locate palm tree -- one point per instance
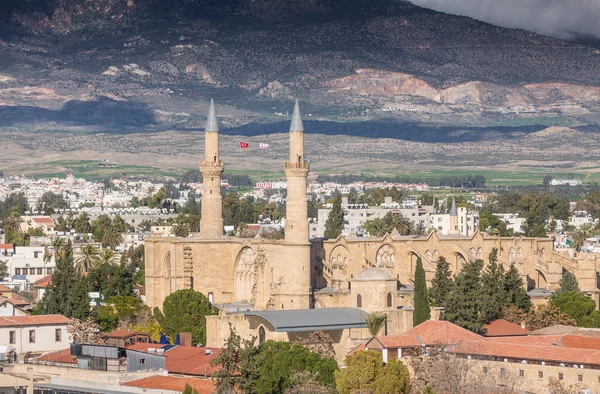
(58, 244)
(180, 230)
(581, 235)
(112, 238)
(107, 256)
(88, 259)
(375, 321)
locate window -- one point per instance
(12, 337)
(560, 376)
(521, 373)
(540, 374)
(31, 336)
(31, 271)
(17, 271)
(49, 271)
(58, 335)
(211, 297)
(389, 300)
(580, 378)
(502, 372)
(359, 301)
(39, 271)
(36, 255)
(261, 334)
(142, 361)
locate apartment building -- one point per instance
(467, 222)
(41, 333)
(29, 262)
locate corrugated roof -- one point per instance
(34, 320)
(158, 382)
(504, 328)
(184, 359)
(306, 320)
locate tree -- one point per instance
(574, 304)
(106, 256)
(547, 179)
(67, 293)
(463, 304)
(88, 258)
(568, 282)
(180, 230)
(50, 202)
(390, 222)
(365, 373)
(3, 269)
(232, 364)
(112, 238)
(514, 290)
(185, 311)
(441, 284)
(393, 379)
(537, 318)
(189, 390)
(335, 221)
(422, 311)
(493, 295)
(375, 321)
(82, 224)
(111, 279)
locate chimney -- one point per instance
(523, 325)
(185, 339)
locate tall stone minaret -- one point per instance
(293, 267)
(211, 222)
(296, 171)
(453, 219)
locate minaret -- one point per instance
(453, 219)
(293, 266)
(211, 222)
(296, 171)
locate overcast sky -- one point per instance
(558, 18)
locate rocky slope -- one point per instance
(152, 64)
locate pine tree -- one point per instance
(493, 295)
(441, 284)
(568, 282)
(463, 303)
(335, 221)
(67, 292)
(514, 291)
(422, 311)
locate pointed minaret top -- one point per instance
(453, 210)
(296, 119)
(211, 121)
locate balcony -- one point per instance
(299, 165)
(211, 164)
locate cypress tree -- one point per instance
(335, 221)
(67, 292)
(514, 290)
(422, 311)
(463, 303)
(441, 284)
(568, 282)
(493, 295)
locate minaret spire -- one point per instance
(297, 119)
(211, 222)
(454, 230)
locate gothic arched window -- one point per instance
(359, 301)
(389, 300)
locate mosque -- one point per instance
(297, 273)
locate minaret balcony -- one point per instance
(299, 165)
(211, 164)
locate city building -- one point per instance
(467, 222)
(31, 262)
(37, 334)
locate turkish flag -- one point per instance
(243, 145)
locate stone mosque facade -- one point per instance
(371, 273)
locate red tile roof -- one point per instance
(120, 334)
(43, 283)
(63, 356)
(434, 332)
(399, 341)
(172, 383)
(4, 289)
(15, 302)
(580, 342)
(539, 340)
(45, 220)
(503, 328)
(7, 246)
(184, 359)
(34, 320)
(555, 354)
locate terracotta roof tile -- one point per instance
(172, 383)
(34, 320)
(540, 340)
(4, 289)
(503, 328)
(43, 283)
(15, 302)
(398, 341)
(555, 354)
(45, 220)
(62, 356)
(7, 246)
(580, 342)
(184, 359)
(434, 332)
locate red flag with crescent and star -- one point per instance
(244, 145)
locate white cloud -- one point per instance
(560, 18)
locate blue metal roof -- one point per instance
(307, 320)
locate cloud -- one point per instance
(559, 18)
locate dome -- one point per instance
(373, 273)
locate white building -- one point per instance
(29, 262)
(513, 221)
(41, 333)
(467, 222)
(565, 182)
(355, 215)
